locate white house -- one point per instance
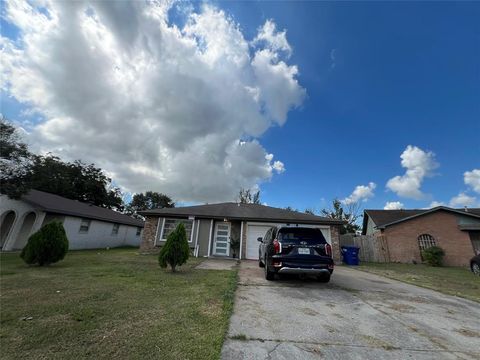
(87, 226)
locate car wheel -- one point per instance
(323, 278)
(476, 268)
(269, 275)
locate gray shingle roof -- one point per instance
(235, 211)
(60, 205)
(382, 218)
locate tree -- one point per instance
(309, 211)
(246, 196)
(47, 246)
(15, 161)
(176, 251)
(345, 212)
(147, 201)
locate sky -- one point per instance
(376, 103)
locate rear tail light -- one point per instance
(328, 249)
(277, 247)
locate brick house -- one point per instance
(407, 232)
(210, 228)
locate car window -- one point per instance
(274, 233)
(267, 236)
(304, 234)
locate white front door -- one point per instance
(221, 244)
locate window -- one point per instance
(171, 224)
(139, 231)
(425, 241)
(84, 226)
(115, 229)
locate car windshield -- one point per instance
(305, 234)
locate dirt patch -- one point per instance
(401, 307)
(373, 341)
(308, 311)
(468, 332)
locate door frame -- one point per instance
(229, 224)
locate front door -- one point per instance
(221, 241)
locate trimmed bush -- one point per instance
(433, 256)
(176, 251)
(47, 246)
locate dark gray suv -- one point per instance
(295, 250)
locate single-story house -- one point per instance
(211, 227)
(87, 226)
(407, 232)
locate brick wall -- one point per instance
(148, 235)
(335, 238)
(403, 244)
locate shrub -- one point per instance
(433, 256)
(176, 251)
(47, 246)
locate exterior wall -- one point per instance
(149, 231)
(443, 226)
(99, 234)
(203, 236)
(335, 243)
(370, 227)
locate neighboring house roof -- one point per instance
(384, 218)
(60, 205)
(236, 211)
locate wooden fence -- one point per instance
(372, 248)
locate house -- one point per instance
(211, 227)
(407, 232)
(87, 226)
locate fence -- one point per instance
(372, 248)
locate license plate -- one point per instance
(303, 251)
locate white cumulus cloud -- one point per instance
(418, 164)
(360, 193)
(160, 107)
(472, 178)
(393, 205)
(436, 203)
(462, 200)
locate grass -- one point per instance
(112, 304)
(457, 281)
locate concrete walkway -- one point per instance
(217, 264)
(356, 316)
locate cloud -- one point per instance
(274, 39)
(419, 164)
(436, 203)
(393, 205)
(360, 193)
(462, 200)
(472, 178)
(160, 107)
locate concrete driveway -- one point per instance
(355, 316)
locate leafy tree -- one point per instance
(47, 246)
(15, 161)
(348, 213)
(246, 196)
(176, 251)
(433, 256)
(147, 201)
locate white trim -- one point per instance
(210, 237)
(156, 232)
(241, 240)
(193, 229)
(228, 237)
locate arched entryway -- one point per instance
(7, 223)
(25, 230)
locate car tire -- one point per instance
(323, 278)
(475, 268)
(269, 275)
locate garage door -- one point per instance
(253, 233)
(256, 231)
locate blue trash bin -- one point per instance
(350, 255)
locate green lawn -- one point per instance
(456, 281)
(112, 304)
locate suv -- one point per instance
(295, 250)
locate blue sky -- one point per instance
(378, 77)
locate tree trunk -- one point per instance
(173, 268)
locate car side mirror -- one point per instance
(259, 239)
